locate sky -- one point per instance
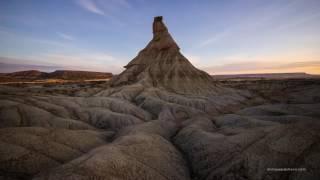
(220, 37)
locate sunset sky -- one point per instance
(218, 36)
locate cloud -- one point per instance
(4, 31)
(312, 67)
(8, 65)
(83, 56)
(86, 61)
(91, 6)
(299, 21)
(64, 54)
(194, 59)
(9, 34)
(48, 42)
(214, 38)
(66, 36)
(269, 18)
(104, 7)
(123, 3)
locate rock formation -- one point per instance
(162, 119)
(161, 64)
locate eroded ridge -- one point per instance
(160, 119)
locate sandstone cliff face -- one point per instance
(161, 119)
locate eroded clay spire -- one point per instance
(161, 36)
(158, 27)
(160, 64)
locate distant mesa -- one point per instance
(68, 74)
(160, 64)
(33, 75)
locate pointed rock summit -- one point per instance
(160, 64)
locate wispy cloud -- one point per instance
(104, 7)
(292, 60)
(77, 61)
(299, 21)
(312, 67)
(85, 61)
(8, 65)
(4, 31)
(90, 5)
(272, 17)
(194, 60)
(84, 56)
(10, 34)
(63, 54)
(66, 36)
(214, 38)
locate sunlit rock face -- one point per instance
(161, 118)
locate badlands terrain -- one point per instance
(162, 118)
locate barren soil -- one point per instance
(161, 119)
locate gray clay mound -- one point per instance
(161, 118)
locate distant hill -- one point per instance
(30, 75)
(77, 75)
(33, 75)
(267, 76)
